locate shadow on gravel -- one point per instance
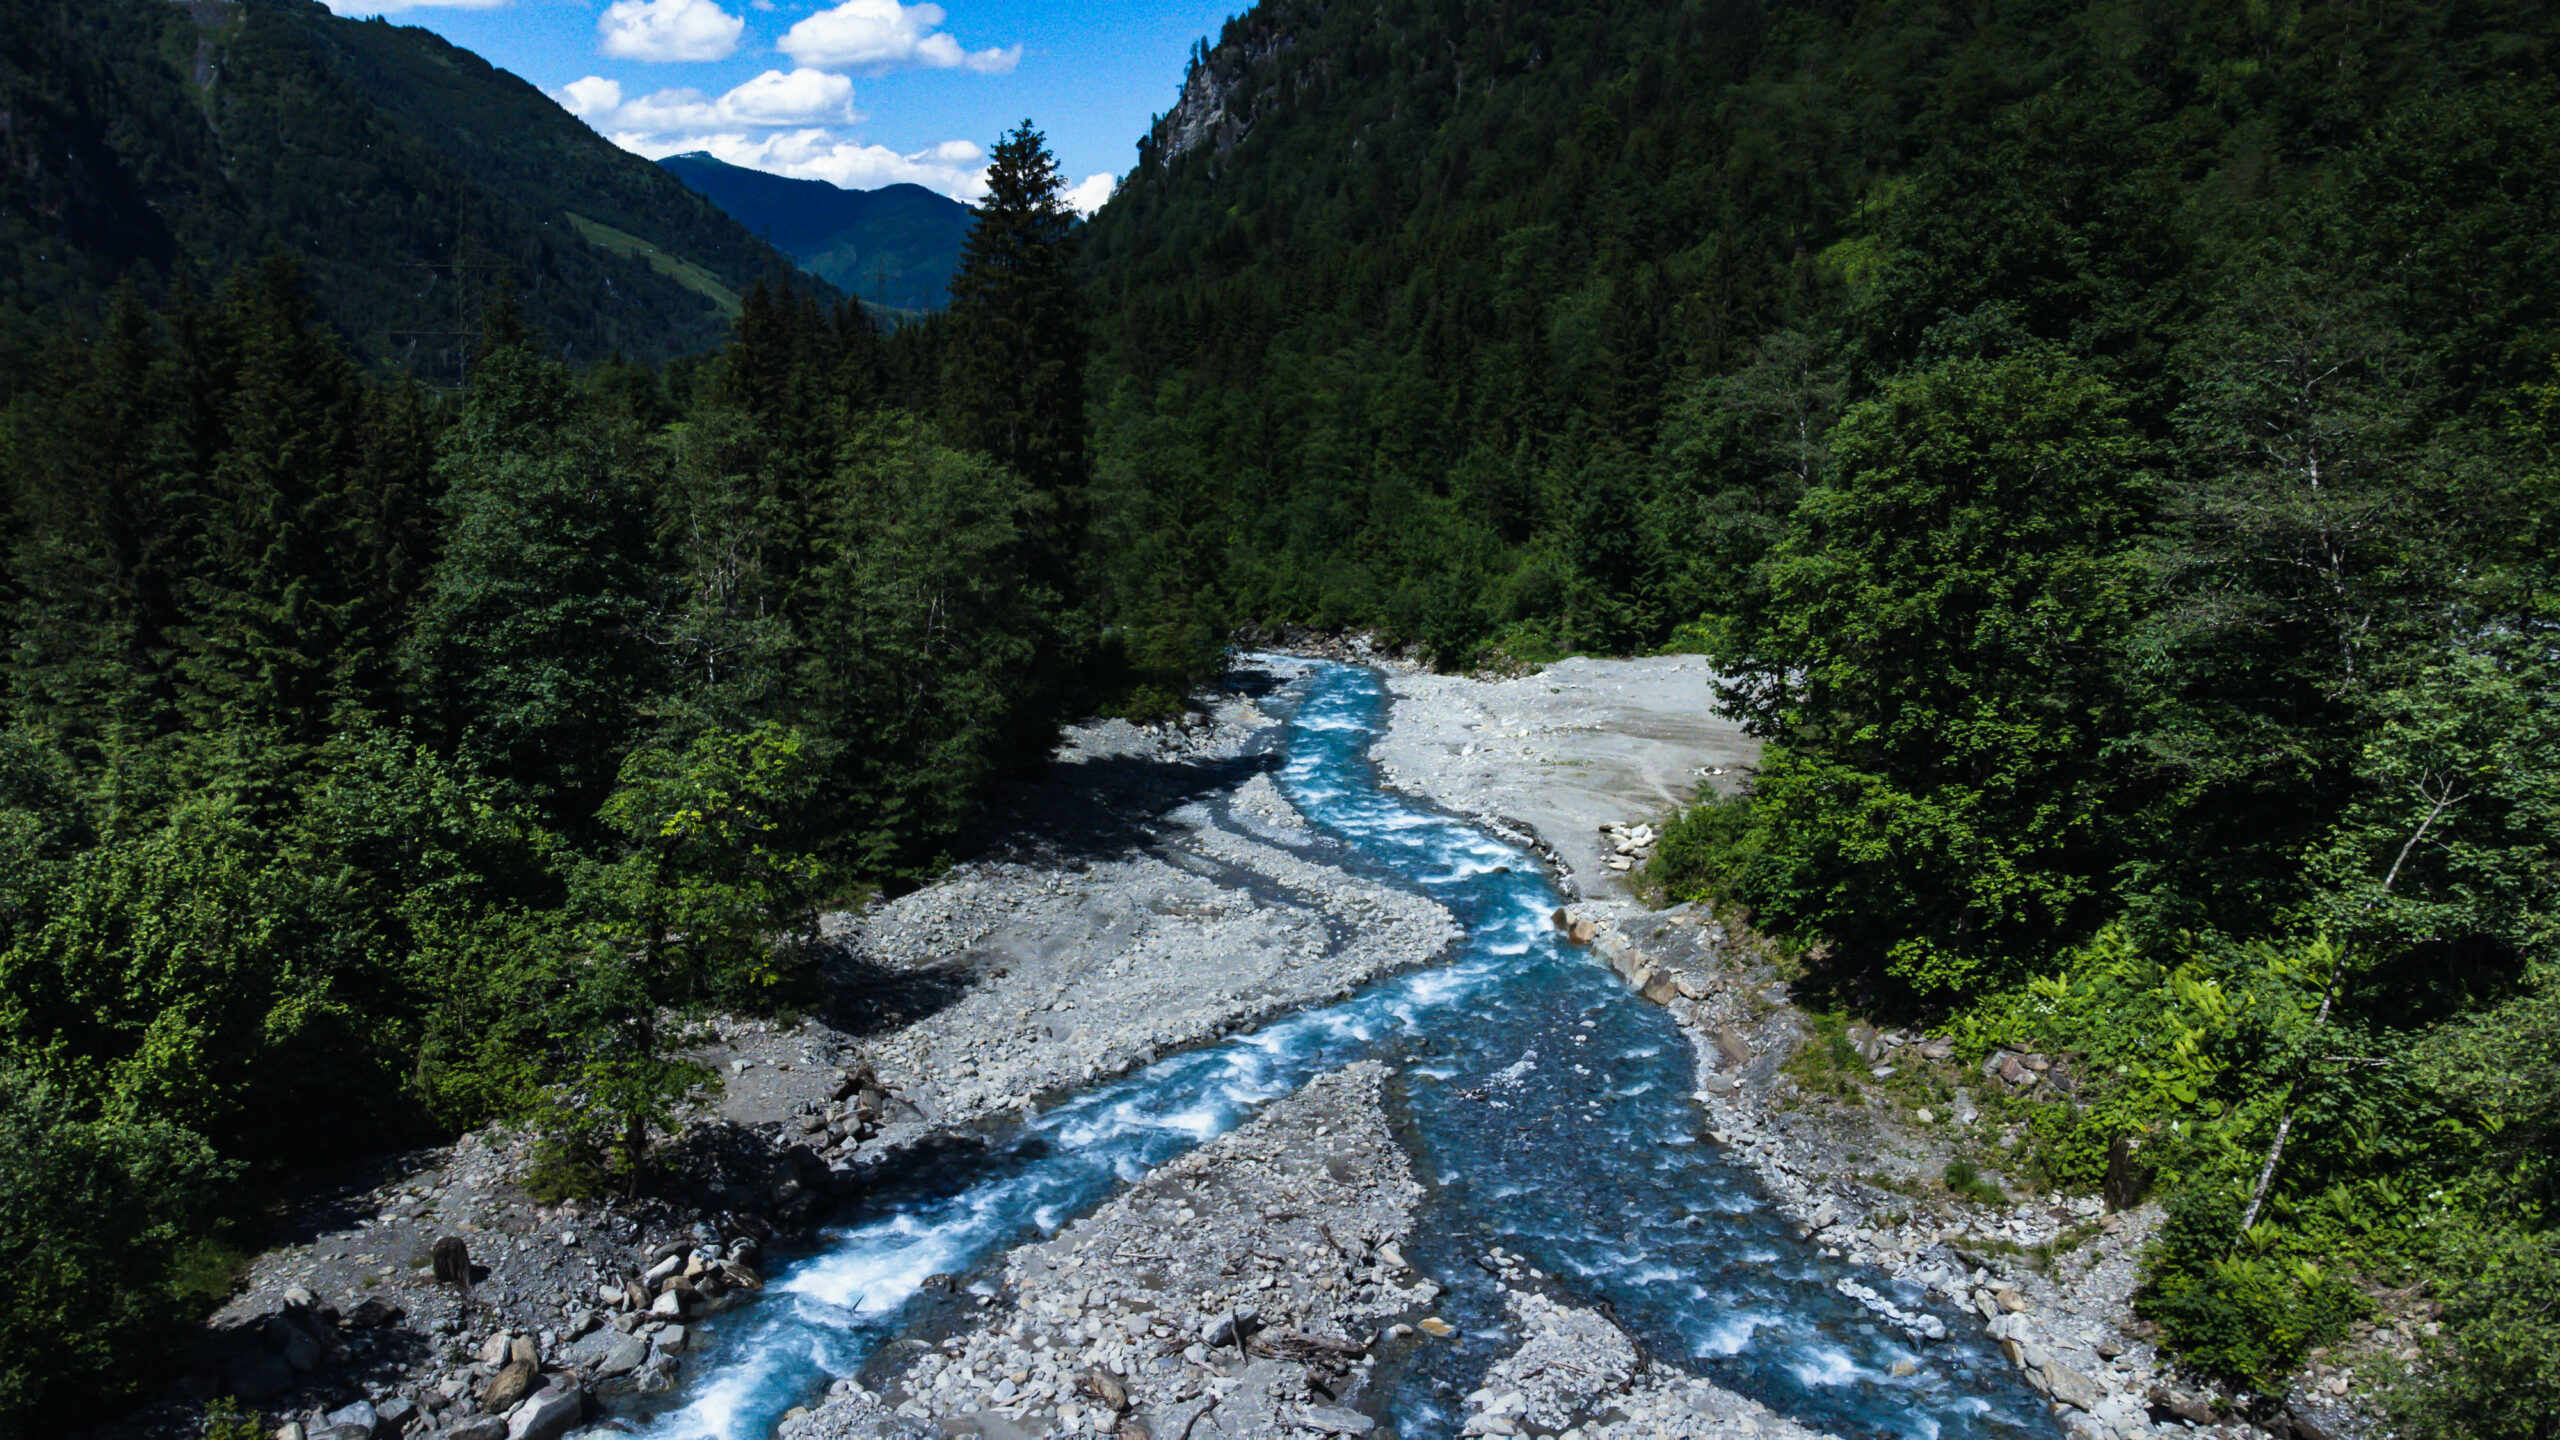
(866, 998)
(1107, 808)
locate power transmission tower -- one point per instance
(464, 262)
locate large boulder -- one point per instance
(373, 1313)
(509, 1389)
(629, 1353)
(547, 1414)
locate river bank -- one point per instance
(1149, 895)
(1583, 754)
(1157, 891)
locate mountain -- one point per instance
(153, 142)
(895, 247)
(1427, 291)
(2108, 450)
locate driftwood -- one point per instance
(1299, 1345)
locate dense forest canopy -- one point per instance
(2107, 450)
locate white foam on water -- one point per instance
(1829, 1365)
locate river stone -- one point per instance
(1732, 1048)
(547, 1415)
(478, 1427)
(628, 1353)
(359, 1416)
(2070, 1386)
(1334, 1421)
(512, 1385)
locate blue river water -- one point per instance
(1548, 1110)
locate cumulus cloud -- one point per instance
(954, 167)
(668, 30)
(879, 35)
(394, 7)
(778, 122)
(772, 100)
(1087, 195)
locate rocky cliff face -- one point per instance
(1227, 90)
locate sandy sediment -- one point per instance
(1565, 750)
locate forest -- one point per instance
(2108, 450)
(381, 763)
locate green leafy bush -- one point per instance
(1968, 1182)
(2494, 1371)
(2250, 1310)
(95, 1211)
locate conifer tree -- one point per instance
(276, 609)
(1015, 376)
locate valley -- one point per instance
(934, 1268)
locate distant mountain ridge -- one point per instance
(895, 247)
(154, 142)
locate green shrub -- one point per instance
(2251, 1310)
(95, 1212)
(225, 1420)
(2494, 1372)
(1969, 1183)
(1699, 847)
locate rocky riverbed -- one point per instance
(1156, 892)
(1245, 1292)
(1153, 893)
(1588, 756)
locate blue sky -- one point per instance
(860, 92)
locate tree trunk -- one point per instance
(2320, 1021)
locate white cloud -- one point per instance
(778, 122)
(1088, 194)
(668, 30)
(880, 35)
(592, 96)
(955, 167)
(770, 101)
(394, 7)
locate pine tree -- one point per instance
(1015, 376)
(276, 611)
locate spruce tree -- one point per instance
(1014, 379)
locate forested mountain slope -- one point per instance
(154, 142)
(2109, 452)
(895, 247)
(1436, 300)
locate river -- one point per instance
(1547, 1108)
